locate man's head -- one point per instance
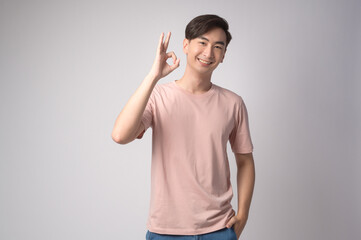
(206, 43)
(203, 24)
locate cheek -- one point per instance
(195, 50)
(221, 55)
(192, 53)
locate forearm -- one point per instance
(127, 124)
(245, 185)
(128, 120)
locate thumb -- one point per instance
(231, 222)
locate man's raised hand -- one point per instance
(160, 66)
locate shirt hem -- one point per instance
(186, 231)
(242, 151)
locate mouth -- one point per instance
(204, 61)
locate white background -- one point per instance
(68, 67)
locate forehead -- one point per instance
(215, 35)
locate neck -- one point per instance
(194, 82)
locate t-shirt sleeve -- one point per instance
(240, 137)
(147, 118)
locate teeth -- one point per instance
(205, 62)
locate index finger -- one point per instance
(166, 42)
(160, 43)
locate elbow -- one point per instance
(120, 140)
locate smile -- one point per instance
(204, 62)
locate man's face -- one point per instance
(207, 51)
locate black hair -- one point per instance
(204, 23)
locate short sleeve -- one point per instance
(147, 118)
(240, 137)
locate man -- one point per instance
(192, 121)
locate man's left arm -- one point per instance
(245, 185)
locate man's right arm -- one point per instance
(128, 124)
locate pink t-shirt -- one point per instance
(191, 190)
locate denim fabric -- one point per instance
(222, 234)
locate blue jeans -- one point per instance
(222, 234)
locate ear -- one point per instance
(224, 54)
(185, 45)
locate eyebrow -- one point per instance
(206, 39)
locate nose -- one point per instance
(208, 52)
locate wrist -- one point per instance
(150, 77)
(242, 216)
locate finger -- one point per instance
(166, 42)
(175, 60)
(230, 222)
(175, 65)
(160, 43)
(172, 55)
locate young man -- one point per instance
(192, 121)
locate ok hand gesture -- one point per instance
(160, 66)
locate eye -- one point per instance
(202, 43)
(219, 47)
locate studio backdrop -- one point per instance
(67, 68)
